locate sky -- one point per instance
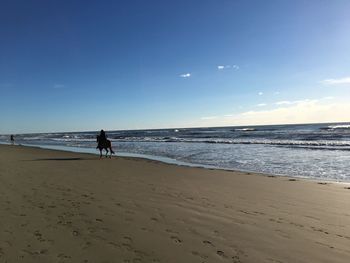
(90, 65)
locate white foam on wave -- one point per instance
(72, 140)
(302, 143)
(347, 126)
(283, 142)
(245, 129)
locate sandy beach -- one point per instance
(67, 207)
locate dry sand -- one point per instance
(68, 207)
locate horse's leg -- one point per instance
(100, 153)
(106, 152)
(110, 147)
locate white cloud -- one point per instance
(260, 93)
(209, 118)
(340, 81)
(328, 98)
(276, 93)
(261, 105)
(287, 102)
(222, 67)
(186, 75)
(304, 100)
(283, 102)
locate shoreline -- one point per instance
(61, 206)
(172, 161)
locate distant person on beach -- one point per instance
(12, 139)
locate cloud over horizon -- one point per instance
(284, 102)
(339, 81)
(209, 117)
(302, 111)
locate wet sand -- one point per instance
(67, 207)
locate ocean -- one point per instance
(317, 151)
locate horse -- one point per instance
(104, 144)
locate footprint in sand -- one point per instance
(39, 236)
(296, 224)
(344, 236)
(176, 239)
(319, 230)
(207, 242)
(236, 259)
(63, 256)
(42, 251)
(128, 238)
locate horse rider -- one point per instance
(102, 138)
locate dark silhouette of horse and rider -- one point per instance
(104, 143)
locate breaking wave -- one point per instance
(334, 127)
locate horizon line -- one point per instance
(174, 128)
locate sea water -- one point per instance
(311, 151)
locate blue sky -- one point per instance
(86, 65)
